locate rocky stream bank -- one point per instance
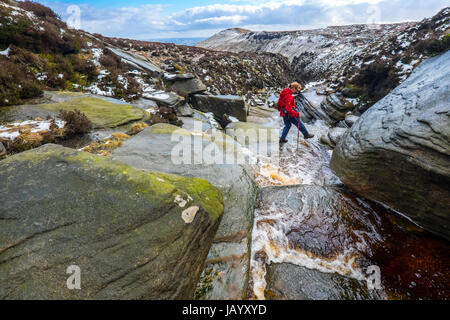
(147, 205)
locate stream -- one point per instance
(313, 238)
(306, 218)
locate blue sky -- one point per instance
(144, 19)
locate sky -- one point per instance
(144, 19)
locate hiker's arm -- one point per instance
(289, 108)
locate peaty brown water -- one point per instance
(307, 218)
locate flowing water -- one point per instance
(307, 218)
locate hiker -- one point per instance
(287, 107)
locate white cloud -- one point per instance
(152, 21)
(235, 19)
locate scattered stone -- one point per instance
(309, 110)
(165, 99)
(335, 134)
(145, 104)
(351, 119)
(177, 76)
(138, 61)
(184, 110)
(326, 140)
(188, 87)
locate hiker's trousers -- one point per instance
(288, 122)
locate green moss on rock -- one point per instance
(209, 198)
(165, 128)
(102, 113)
(123, 227)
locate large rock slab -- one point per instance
(187, 87)
(169, 77)
(155, 148)
(398, 152)
(165, 99)
(309, 105)
(138, 61)
(102, 113)
(220, 105)
(126, 229)
(334, 113)
(287, 281)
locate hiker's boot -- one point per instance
(283, 140)
(309, 136)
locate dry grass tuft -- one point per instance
(105, 147)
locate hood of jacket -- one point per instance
(285, 93)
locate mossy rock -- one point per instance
(127, 229)
(165, 128)
(103, 114)
(158, 147)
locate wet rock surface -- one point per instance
(152, 149)
(309, 110)
(123, 227)
(330, 229)
(334, 107)
(351, 119)
(397, 152)
(258, 138)
(287, 281)
(336, 134)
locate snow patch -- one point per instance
(5, 52)
(12, 130)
